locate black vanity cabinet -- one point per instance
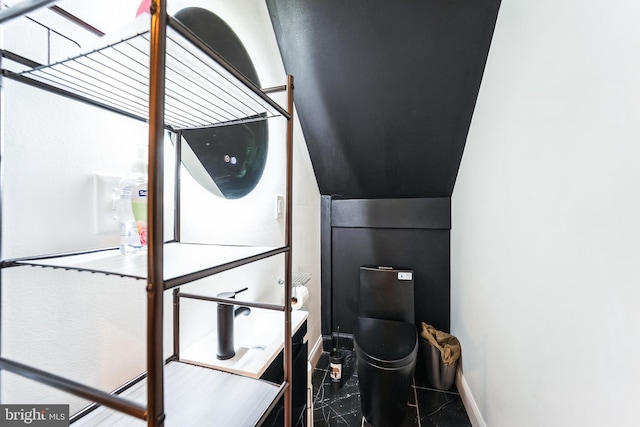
(274, 374)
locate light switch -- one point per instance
(104, 213)
(279, 206)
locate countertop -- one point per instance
(258, 341)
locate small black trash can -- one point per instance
(441, 352)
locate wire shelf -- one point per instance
(201, 88)
(184, 262)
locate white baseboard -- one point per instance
(468, 401)
(315, 352)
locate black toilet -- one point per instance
(386, 343)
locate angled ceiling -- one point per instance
(385, 90)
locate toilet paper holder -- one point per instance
(300, 293)
(298, 279)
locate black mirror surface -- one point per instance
(228, 160)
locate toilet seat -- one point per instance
(387, 344)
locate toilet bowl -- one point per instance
(386, 343)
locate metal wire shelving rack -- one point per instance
(161, 73)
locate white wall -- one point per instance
(545, 256)
(92, 327)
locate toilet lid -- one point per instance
(385, 343)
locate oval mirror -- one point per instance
(228, 160)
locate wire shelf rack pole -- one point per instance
(155, 285)
(288, 351)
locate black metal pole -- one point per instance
(288, 352)
(113, 401)
(176, 323)
(177, 191)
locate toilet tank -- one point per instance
(386, 293)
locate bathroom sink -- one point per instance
(258, 338)
(257, 329)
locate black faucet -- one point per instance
(226, 314)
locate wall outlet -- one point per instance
(104, 212)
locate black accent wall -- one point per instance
(412, 233)
(385, 91)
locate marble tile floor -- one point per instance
(338, 404)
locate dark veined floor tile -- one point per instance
(337, 404)
(338, 399)
(412, 396)
(438, 408)
(410, 418)
(323, 361)
(334, 415)
(317, 379)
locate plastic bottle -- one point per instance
(131, 210)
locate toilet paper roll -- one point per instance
(300, 296)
